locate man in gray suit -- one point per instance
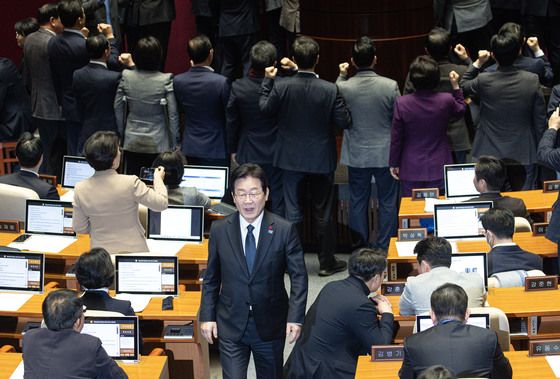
(512, 110)
(365, 147)
(434, 259)
(45, 108)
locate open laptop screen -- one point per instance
(471, 262)
(74, 170)
(118, 335)
(177, 222)
(22, 272)
(460, 220)
(424, 322)
(459, 180)
(147, 275)
(211, 181)
(49, 217)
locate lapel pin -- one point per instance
(270, 231)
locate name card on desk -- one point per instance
(551, 186)
(544, 347)
(387, 353)
(392, 288)
(539, 229)
(425, 193)
(413, 234)
(541, 283)
(9, 226)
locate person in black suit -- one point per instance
(29, 152)
(60, 349)
(244, 300)
(505, 255)
(252, 133)
(305, 106)
(342, 323)
(469, 351)
(15, 105)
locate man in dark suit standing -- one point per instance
(468, 350)
(505, 255)
(202, 95)
(342, 323)
(60, 349)
(15, 106)
(29, 152)
(244, 300)
(305, 106)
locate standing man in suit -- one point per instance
(29, 152)
(512, 110)
(244, 300)
(15, 107)
(103, 12)
(46, 110)
(305, 106)
(202, 95)
(468, 350)
(342, 323)
(365, 147)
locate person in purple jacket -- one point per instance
(419, 143)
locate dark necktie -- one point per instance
(250, 248)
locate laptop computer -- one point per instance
(482, 320)
(74, 170)
(459, 183)
(22, 272)
(211, 181)
(177, 223)
(471, 262)
(119, 335)
(147, 275)
(460, 220)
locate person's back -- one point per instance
(15, 106)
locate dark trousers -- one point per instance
(460, 156)
(160, 30)
(275, 33)
(52, 135)
(359, 180)
(322, 198)
(268, 355)
(235, 54)
(473, 40)
(275, 187)
(197, 161)
(133, 162)
(73, 132)
(548, 33)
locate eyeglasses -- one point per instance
(251, 195)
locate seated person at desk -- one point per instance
(106, 204)
(469, 351)
(342, 323)
(29, 152)
(434, 262)
(60, 351)
(489, 178)
(173, 162)
(505, 255)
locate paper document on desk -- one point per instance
(406, 248)
(430, 202)
(554, 363)
(68, 196)
(11, 302)
(138, 302)
(18, 372)
(44, 243)
(165, 248)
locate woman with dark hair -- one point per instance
(419, 143)
(146, 109)
(106, 204)
(173, 162)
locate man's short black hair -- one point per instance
(96, 46)
(449, 301)
(263, 55)
(365, 263)
(147, 54)
(174, 164)
(29, 150)
(100, 149)
(46, 12)
(199, 48)
(434, 250)
(514, 30)
(306, 51)
(26, 26)
(424, 73)
(249, 170)
(61, 309)
(363, 52)
(492, 170)
(437, 372)
(499, 221)
(505, 48)
(438, 43)
(95, 270)
(69, 12)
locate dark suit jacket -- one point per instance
(202, 96)
(510, 258)
(251, 133)
(468, 350)
(549, 156)
(15, 106)
(66, 354)
(101, 301)
(554, 100)
(540, 66)
(540, 8)
(517, 206)
(27, 179)
(228, 290)
(340, 325)
(238, 17)
(98, 14)
(305, 106)
(148, 12)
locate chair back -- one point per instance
(515, 278)
(522, 225)
(12, 201)
(498, 323)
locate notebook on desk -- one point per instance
(74, 170)
(119, 335)
(482, 320)
(22, 275)
(471, 263)
(460, 220)
(459, 181)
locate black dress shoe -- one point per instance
(337, 267)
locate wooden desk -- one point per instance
(147, 368)
(524, 367)
(536, 201)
